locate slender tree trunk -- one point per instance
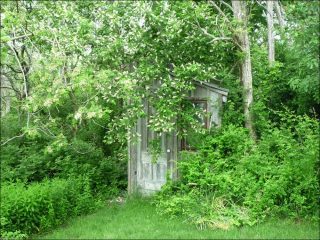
(280, 14)
(242, 38)
(271, 48)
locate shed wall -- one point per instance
(146, 176)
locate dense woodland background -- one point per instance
(73, 76)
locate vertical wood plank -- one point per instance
(144, 130)
(132, 163)
(175, 156)
(138, 148)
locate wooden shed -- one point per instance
(147, 175)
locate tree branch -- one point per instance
(18, 93)
(22, 36)
(28, 36)
(19, 63)
(12, 68)
(9, 88)
(23, 74)
(10, 139)
(220, 11)
(226, 4)
(214, 38)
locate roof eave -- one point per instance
(213, 87)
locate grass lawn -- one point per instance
(137, 219)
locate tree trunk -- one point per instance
(242, 38)
(280, 14)
(271, 48)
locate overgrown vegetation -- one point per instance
(44, 182)
(74, 75)
(41, 206)
(231, 180)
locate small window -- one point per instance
(188, 142)
(201, 105)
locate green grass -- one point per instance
(137, 219)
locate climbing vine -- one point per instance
(155, 149)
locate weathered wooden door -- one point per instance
(151, 173)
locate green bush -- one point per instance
(5, 234)
(35, 157)
(231, 180)
(31, 162)
(39, 206)
(106, 173)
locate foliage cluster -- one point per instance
(97, 61)
(232, 181)
(27, 209)
(47, 180)
(32, 159)
(30, 163)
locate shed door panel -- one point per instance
(152, 175)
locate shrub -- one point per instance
(35, 157)
(40, 206)
(5, 234)
(231, 180)
(31, 162)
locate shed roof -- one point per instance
(213, 87)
